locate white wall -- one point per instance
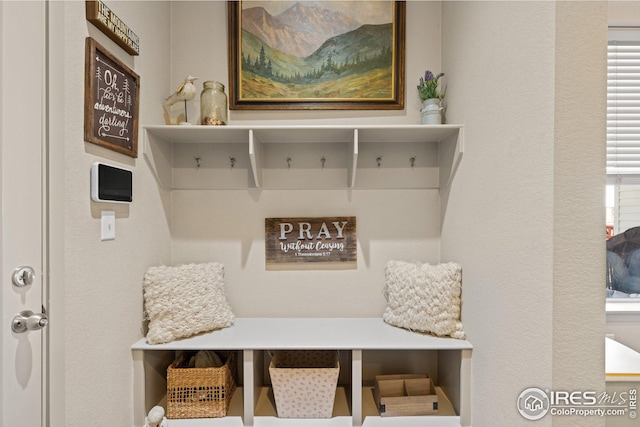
(96, 299)
(96, 291)
(501, 211)
(228, 226)
(532, 298)
(579, 192)
(624, 13)
(501, 88)
(199, 48)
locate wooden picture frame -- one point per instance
(317, 243)
(111, 101)
(109, 23)
(362, 68)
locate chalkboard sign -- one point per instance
(311, 243)
(111, 101)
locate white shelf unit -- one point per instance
(304, 157)
(367, 347)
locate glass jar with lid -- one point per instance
(213, 104)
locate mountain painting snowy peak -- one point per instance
(317, 49)
(300, 29)
(278, 35)
(312, 18)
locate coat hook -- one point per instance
(198, 162)
(232, 160)
(323, 160)
(379, 160)
(413, 161)
(289, 162)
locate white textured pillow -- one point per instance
(185, 300)
(423, 297)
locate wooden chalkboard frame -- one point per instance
(123, 112)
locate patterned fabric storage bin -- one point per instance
(304, 382)
(200, 392)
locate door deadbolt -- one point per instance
(23, 276)
(28, 321)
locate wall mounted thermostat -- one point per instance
(111, 184)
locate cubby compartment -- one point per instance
(366, 347)
(201, 384)
(151, 371)
(265, 400)
(434, 364)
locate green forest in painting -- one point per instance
(279, 61)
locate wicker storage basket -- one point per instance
(304, 382)
(200, 392)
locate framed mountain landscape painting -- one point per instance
(316, 55)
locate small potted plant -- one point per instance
(431, 98)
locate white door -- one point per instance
(22, 212)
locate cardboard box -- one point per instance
(402, 395)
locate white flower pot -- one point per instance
(431, 112)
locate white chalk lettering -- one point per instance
(305, 233)
(285, 228)
(340, 227)
(305, 230)
(330, 246)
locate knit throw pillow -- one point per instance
(423, 297)
(185, 300)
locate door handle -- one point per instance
(28, 321)
(23, 276)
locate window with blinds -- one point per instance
(623, 109)
(623, 160)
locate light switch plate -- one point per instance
(108, 225)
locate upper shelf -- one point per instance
(306, 157)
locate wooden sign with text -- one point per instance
(108, 22)
(311, 243)
(111, 101)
